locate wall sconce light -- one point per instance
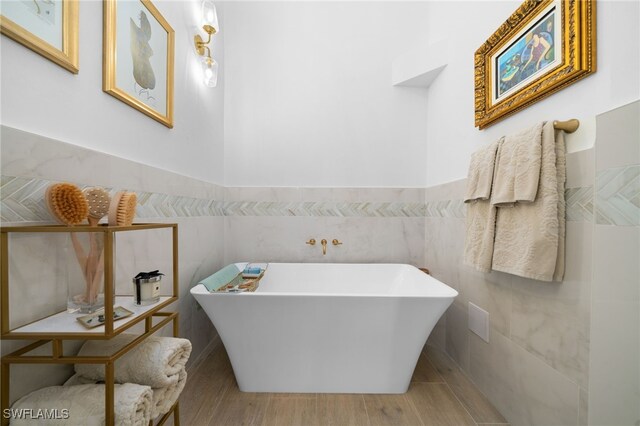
(210, 26)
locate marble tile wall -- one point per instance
(558, 353)
(29, 162)
(374, 225)
(539, 332)
(614, 375)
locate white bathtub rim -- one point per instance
(450, 293)
(200, 289)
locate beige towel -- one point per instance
(480, 176)
(529, 238)
(155, 362)
(478, 243)
(162, 399)
(481, 214)
(518, 168)
(85, 405)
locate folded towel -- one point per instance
(478, 243)
(529, 238)
(230, 274)
(155, 362)
(480, 176)
(162, 400)
(86, 405)
(518, 168)
(481, 214)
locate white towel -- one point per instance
(529, 237)
(518, 168)
(86, 405)
(155, 362)
(481, 214)
(162, 400)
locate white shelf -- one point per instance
(419, 67)
(65, 322)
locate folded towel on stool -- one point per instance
(155, 362)
(132, 404)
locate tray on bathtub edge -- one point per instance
(229, 280)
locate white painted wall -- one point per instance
(43, 98)
(452, 136)
(308, 95)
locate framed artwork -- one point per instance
(544, 46)
(138, 57)
(48, 27)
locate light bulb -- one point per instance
(209, 15)
(209, 72)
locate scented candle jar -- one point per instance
(146, 288)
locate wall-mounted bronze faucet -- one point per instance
(324, 242)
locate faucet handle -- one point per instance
(311, 242)
(335, 242)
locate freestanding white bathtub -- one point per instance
(328, 328)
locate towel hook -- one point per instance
(568, 126)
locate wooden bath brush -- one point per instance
(122, 208)
(67, 203)
(98, 200)
(69, 207)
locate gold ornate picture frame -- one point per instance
(138, 57)
(544, 46)
(48, 27)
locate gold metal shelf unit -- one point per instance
(33, 331)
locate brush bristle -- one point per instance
(98, 200)
(127, 209)
(67, 203)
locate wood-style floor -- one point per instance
(440, 394)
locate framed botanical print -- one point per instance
(544, 46)
(138, 57)
(48, 27)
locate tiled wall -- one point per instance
(375, 225)
(559, 353)
(614, 378)
(30, 162)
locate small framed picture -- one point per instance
(97, 318)
(139, 57)
(48, 27)
(543, 47)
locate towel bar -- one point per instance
(568, 126)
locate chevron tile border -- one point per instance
(446, 208)
(618, 196)
(22, 200)
(579, 204)
(617, 202)
(324, 209)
